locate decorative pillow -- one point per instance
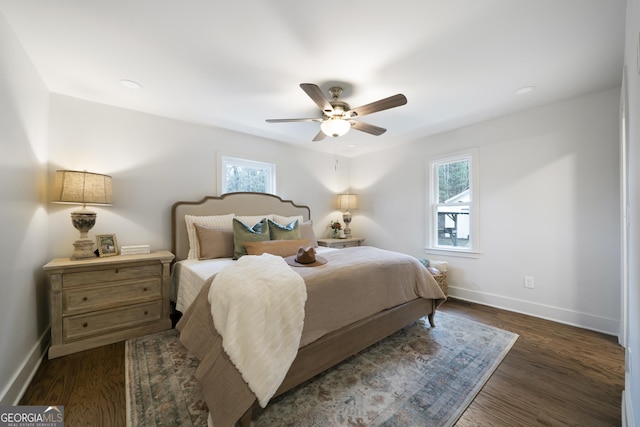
(283, 248)
(243, 233)
(306, 232)
(214, 242)
(284, 232)
(218, 221)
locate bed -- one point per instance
(397, 288)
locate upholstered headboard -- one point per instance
(236, 203)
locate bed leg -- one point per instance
(245, 420)
(431, 318)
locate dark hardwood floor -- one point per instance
(90, 384)
(555, 375)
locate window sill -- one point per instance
(453, 252)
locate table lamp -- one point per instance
(347, 202)
(84, 188)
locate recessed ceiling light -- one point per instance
(130, 84)
(525, 90)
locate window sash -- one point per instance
(453, 226)
(269, 170)
(454, 236)
(436, 171)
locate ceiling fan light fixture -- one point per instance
(335, 127)
(338, 117)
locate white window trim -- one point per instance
(432, 223)
(224, 160)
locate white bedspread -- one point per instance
(257, 306)
(190, 275)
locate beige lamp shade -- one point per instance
(347, 202)
(85, 188)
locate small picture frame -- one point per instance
(107, 244)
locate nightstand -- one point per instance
(105, 300)
(341, 243)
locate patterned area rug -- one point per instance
(418, 376)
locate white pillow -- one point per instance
(306, 232)
(218, 221)
(284, 220)
(440, 265)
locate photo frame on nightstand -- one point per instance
(107, 244)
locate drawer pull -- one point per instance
(85, 324)
(146, 312)
(84, 299)
(144, 289)
(116, 271)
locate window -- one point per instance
(246, 175)
(453, 201)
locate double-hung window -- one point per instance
(453, 203)
(239, 174)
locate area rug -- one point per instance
(419, 376)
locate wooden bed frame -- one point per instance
(330, 349)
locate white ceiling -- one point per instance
(233, 64)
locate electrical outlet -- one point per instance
(528, 282)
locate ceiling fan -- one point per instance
(337, 117)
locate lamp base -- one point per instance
(346, 217)
(83, 249)
(83, 220)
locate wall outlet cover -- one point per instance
(528, 282)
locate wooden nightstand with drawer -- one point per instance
(341, 243)
(105, 300)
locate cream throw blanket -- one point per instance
(257, 306)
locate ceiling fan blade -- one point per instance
(366, 127)
(374, 107)
(319, 137)
(293, 120)
(317, 96)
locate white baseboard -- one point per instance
(13, 392)
(561, 315)
(628, 419)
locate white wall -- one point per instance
(24, 316)
(548, 204)
(632, 62)
(155, 162)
